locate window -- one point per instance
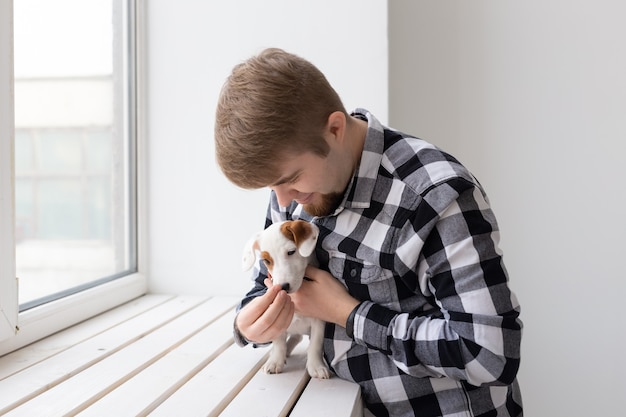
(8, 283)
(72, 176)
(73, 137)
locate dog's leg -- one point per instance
(292, 342)
(315, 359)
(278, 356)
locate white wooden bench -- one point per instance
(163, 356)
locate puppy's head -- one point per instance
(285, 249)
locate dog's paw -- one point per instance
(318, 370)
(273, 366)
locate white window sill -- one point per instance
(39, 322)
(163, 355)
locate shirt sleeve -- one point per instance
(449, 252)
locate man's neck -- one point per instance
(356, 130)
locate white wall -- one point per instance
(532, 97)
(198, 222)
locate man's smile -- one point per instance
(306, 199)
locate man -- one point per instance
(411, 280)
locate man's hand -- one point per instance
(323, 297)
(267, 316)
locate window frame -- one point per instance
(8, 282)
(18, 329)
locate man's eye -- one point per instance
(291, 252)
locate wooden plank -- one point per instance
(149, 388)
(272, 395)
(95, 382)
(210, 391)
(164, 356)
(35, 380)
(50, 346)
(329, 398)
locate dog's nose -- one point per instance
(285, 286)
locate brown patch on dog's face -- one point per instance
(267, 260)
(297, 231)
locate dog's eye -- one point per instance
(291, 252)
(266, 261)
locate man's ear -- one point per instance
(336, 126)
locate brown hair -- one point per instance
(273, 105)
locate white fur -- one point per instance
(289, 262)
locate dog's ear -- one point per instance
(249, 252)
(304, 234)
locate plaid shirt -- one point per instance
(437, 332)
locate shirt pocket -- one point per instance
(352, 270)
(365, 280)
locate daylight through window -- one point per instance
(74, 146)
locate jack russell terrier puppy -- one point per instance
(286, 248)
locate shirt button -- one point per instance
(353, 273)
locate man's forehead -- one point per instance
(289, 176)
(294, 165)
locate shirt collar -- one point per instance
(361, 187)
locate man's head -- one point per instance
(273, 107)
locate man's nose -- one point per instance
(284, 195)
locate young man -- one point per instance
(411, 280)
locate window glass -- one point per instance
(73, 146)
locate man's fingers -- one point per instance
(283, 320)
(277, 316)
(257, 307)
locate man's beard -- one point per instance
(327, 205)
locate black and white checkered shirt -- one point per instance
(438, 330)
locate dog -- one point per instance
(286, 248)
